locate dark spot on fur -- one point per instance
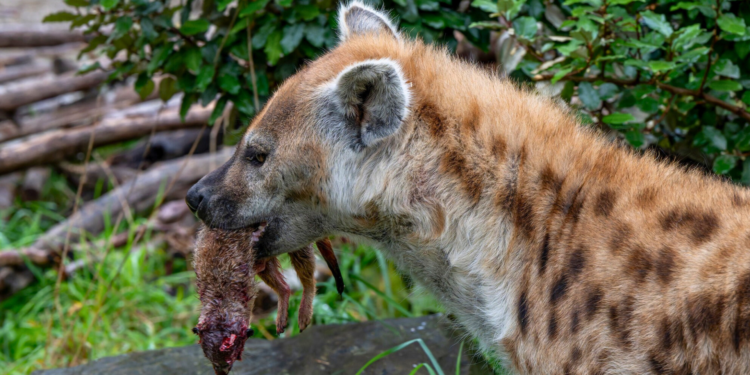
(559, 289)
(455, 162)
(657, 365)
(665, 265)
(435, 122)
(620, 237)
(639, 264)
(552, 327)
(646, 198)
(575, 321)
(573, 204)
(605, 202)
(620, 320)
(575, 355)
(507, 198)
(524, 215)
(550, 181)
(544, 255)
(499, 147)
(702, 226)
(671, 335)
(593, 301)
(741, 332)
(704, 313)
(577, 262)
(523, 313)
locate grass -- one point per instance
(125, 300)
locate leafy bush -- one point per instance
(202, 47)
(670, 73)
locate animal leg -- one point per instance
(326, 250)
(303, 262)
(272, 276)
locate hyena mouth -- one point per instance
(258, 232)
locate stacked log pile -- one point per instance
(52, 123)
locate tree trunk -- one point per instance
(56, 145)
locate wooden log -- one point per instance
(39, 36)
(55, 145)
(15, 96)
(23, 71)
(83, 113)
(139, 194)
(17, 56)
(33, 183)
(8, 185)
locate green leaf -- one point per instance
(160, 55)
(725, 85)
(167, 88)
(193, 27)
(89, 68)
(712, 137)
(731, 24)
(60, 17)
(618, 118)
(724, 163)
(307, 12)
(687, 37)
(746, 98)
(726, 68)
(222, 4)
(218, 110)
(122, 26)
(657, 22)
(589, 97)
(205, 77)
(253, 7)
(77, 3)
(244, 103)
(635, 138)
(144, 86)
(229, 83)
(485, 5)
(621, 2)
(261, 36)
(108, 4)
(292, 36)
(648, 104)
(193, 59)
(273, 47)
(742, 141)
(607, 90)
(315, 34)
(433, 20)
(525, 28)
(147, 26)
(660, 66)
(489, 25)
(560, 74)
(745, 179)
(187, 102)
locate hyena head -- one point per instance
(295, 166)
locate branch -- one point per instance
(739, 111)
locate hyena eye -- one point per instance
(255, 157)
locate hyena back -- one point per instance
(553, 247)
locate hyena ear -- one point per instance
(373, 98)
(358, 18)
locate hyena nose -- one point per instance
(195, 196)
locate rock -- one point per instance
(321, 350)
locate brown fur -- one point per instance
(554, 247)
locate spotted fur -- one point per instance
(555, 248)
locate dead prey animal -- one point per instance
(225, 266)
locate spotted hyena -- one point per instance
(553, 247)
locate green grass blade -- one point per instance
(382, 295)
(437, 370)
(458, 361)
